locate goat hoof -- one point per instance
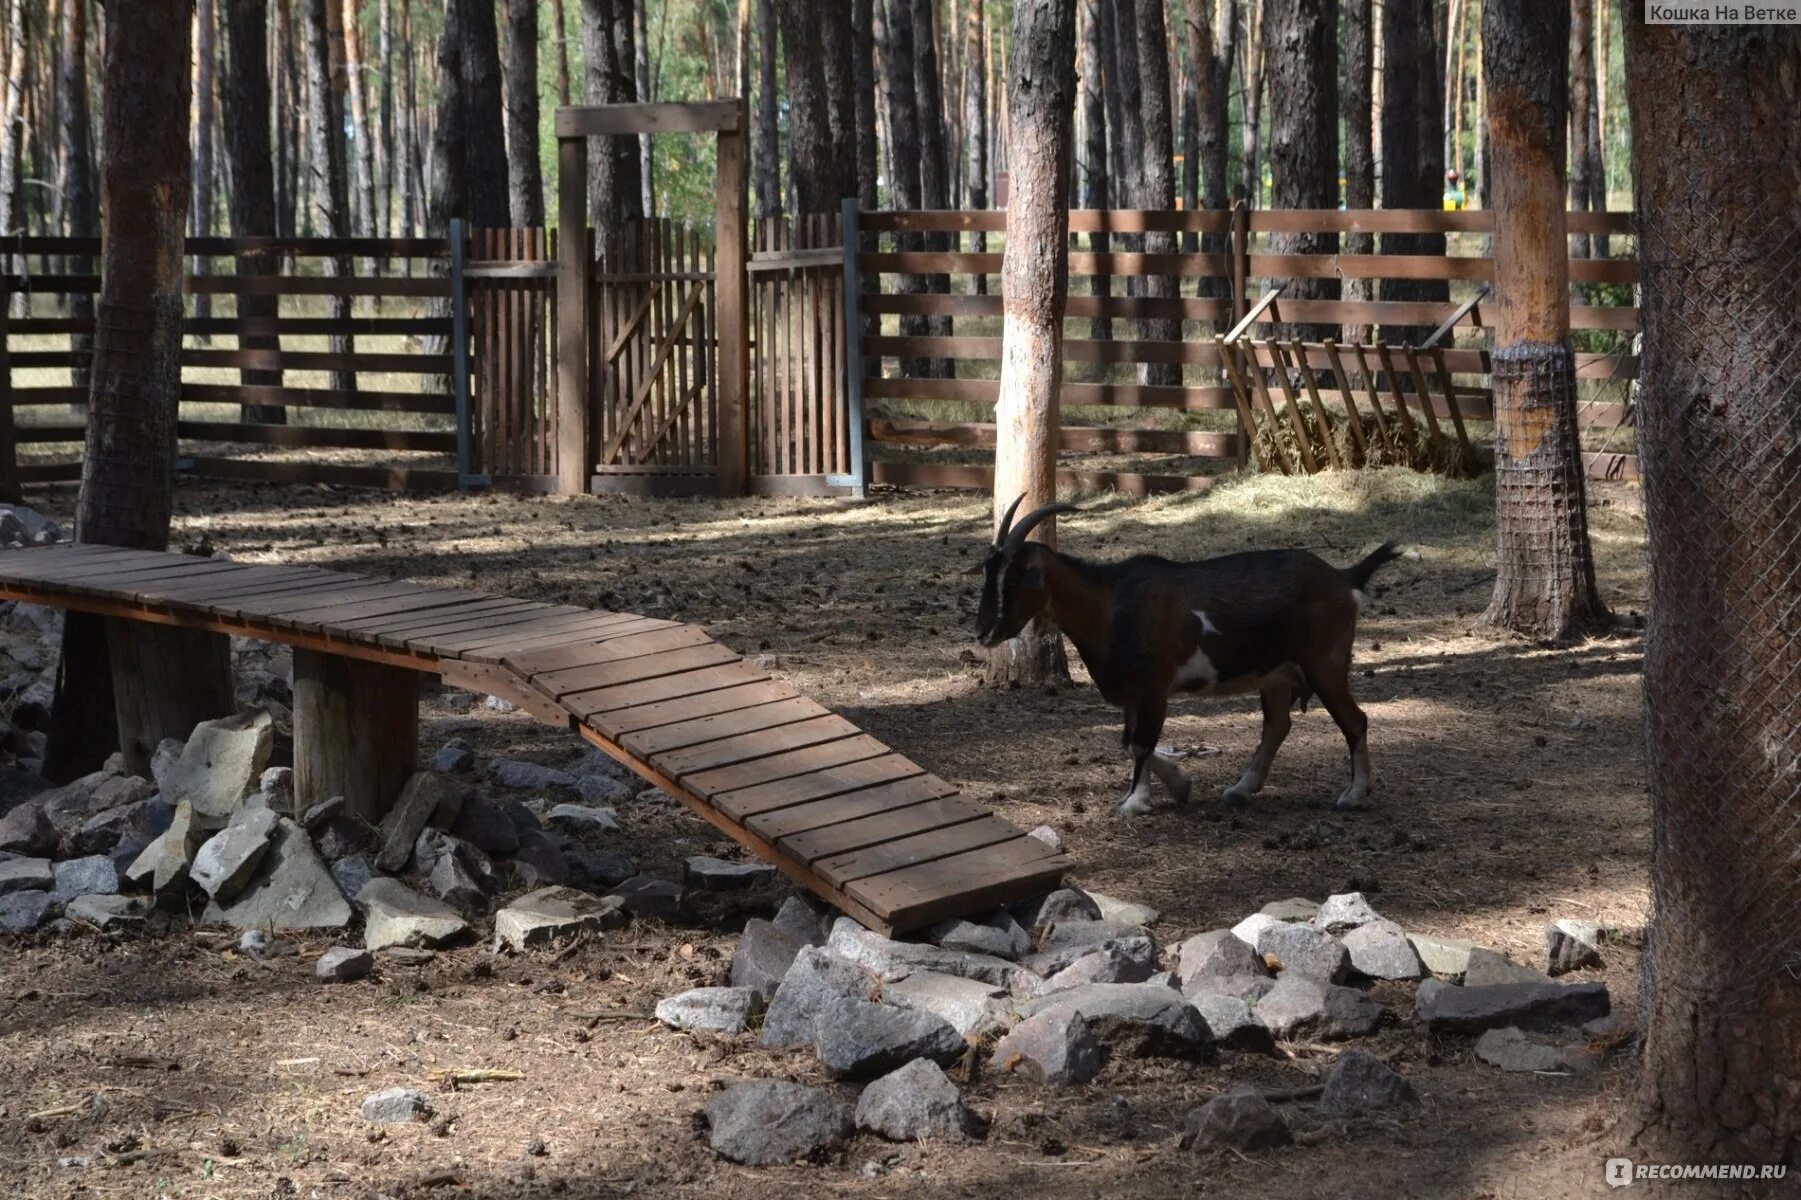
(1133, 806)
(1237, 798)
(1352, 800)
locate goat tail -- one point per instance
(1374, 561)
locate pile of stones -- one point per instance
(1054, 989)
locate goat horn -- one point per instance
(1016, 536)
(1007, 518)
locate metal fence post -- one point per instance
(857, 478)
(459, 340)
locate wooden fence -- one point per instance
(1222, 262)
(800, 434)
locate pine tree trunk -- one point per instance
(525, 181)
(766, 151)
(412, 168)
(252, 199)
(1096, 191)
(1413, 147)
(833, 30)
(812, 155)
(287, 102)
(1157, 178)
(1211, 69)
(1359, 153)
(904, 156)
(614, 176)
(1582, 87)
(200, 213)
(81, 203)
(1597, 130)
(324, 162)
(362, 139)
(384, 144)
(863, 81)
(562, 21)
(1720, 1078)
(12, 122)
(1300, 50)
(1249, 163)
(934, 172)
(628, 152)
(1546, 582)
(1121, 43)
(975, 122)
(647, 170)
(1035, 279)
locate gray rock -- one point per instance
(25, 875)
(1125, 912)
(22, 912)
(456, 885)
(1088, 933)
(1571, 945)
(1447, 1008)
(1103, 966)
(770, 1122)
(555, 912)
(72, 806)
(396, 1105)
(453, 757)
(1056, 1046)
(1048, 963)
(513, 773)
(165, 861)
(1362, 1083)
(800, 920)
(578, 819)
(1064, 904)
(220, 765)
(275, 788)
(719, 875)
(291, 890)
(1295, 908)
(163, 759)
(1380, 950)
(435, 846)
(343, 964)
(856, 1039)
(539, 861)
(1303, 1006)
(105, 911)
(102, 832)
(486, 826)
(1047, 835)
(395, 915)
(647, 896)
(1232, 1022)
(225, 862)
(352, 873)
(763, 956)
(1304, 950)
(27, 830)
(1141, 1019)
(1213, 955)
(999, 936)
(914, 1103)
(818, 979)
(427, 798)
(1252, 928)
(602, 788)
(1249, 988)
(1239, 1121)
(711, 1009)
(1443, 955)
(1487, 968)
(1514, 1049)
(1344, 912)
(972, 1008)
(890, 959)
(94, 875)
(597, 870)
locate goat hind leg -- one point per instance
(1277, 698)
(1335, 694)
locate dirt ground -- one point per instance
(1510, 792)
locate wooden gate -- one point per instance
(655, 363)
(510, 280)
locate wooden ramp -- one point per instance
(866, 828)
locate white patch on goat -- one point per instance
(1207, 625)
(1137, 802)
(1198, 670)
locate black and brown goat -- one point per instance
(1277, 622)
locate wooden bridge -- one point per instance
(868, 829)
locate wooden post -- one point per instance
(10, 491)
(1241, 261)
(356, 730)
(573, 269)
(459, 339)
(166, 680)
(857, 476)
(730, 292)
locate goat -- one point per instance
(1277, 622)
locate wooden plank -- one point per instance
(952, 475)
(730, 288)
(394, 599)
(756, 744)
(1074, 350)
(589, 705)
(916, 849)
(248, 602)
(1087, 438)
(626, 721)
(328, 592)
(124, 581)
(553, 630)
(915, 896)
(265, 580)
(605, 120)
(614, 643)
(82, 561)
(317, 435)
(850, 806)
(744, 803)
(573, 258)
(495, 608)
(914, 821)
(714, 727)
(431, 636)
(487, 679)
(786, 765)
(631, 670)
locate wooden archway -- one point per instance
(574, 126)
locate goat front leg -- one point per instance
(1144, 726)
(1277, 698)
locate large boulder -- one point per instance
(856, 1039)
(1514, 1049)
(1139, 1019)
(556, 912)
(1447, 1008)
(1064, 904)
(1486, 967)
(1089, 933)
(1447, 956)
(769, 1122)
(914, 1103)
(1126, 912)
(800, 920)
(105, 830)
(22, 912)
(1237, 1121)
(818, 978)
(1361, 1083)
(291, 890)
(220, 765)
(106, 911)
(226, 861)
(1049, 963)
(1112, 965)
(711, 874)
(648, 896)
(395, 915)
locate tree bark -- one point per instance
(1098, 172)
(836, 39)
(766, 153)
(1157, 177)
(469, 159)
(325, 165)
(616, 192)
(1249, 163)
(1119, 36)
(81, 207)
(1582, 90)
(200, 211)
(975, 122)
(562, 39)
(12, 120)
(361, 128)
(412, 174)
(904, 155)
(934, 166)
(1413, 147)
(1300, 49)
(288, 102)
(863, 82)
(814, 168)
(252, 200)
(525, 180)
(1546, 581)
(1720, 1079)
(1359, 152)
(385, 143)
(1034, 280)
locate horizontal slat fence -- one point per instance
(1224, 261)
